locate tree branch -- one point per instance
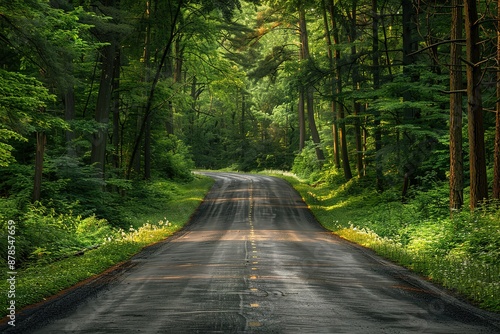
(460, 91)
(437, 44)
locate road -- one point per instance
(253, 259)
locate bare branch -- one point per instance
(460, 91)
(436, 44)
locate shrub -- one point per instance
(172, 159)
(306, 165)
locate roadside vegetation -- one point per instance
(57, 249)
(460, 252)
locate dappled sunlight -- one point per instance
(258, 235)
(341, 204)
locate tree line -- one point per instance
(99, 93)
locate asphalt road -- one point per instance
(254, 260)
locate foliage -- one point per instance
(306, 164)
(172, 159)
(21, 100)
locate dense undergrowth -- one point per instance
(460, 252)
(55, 250)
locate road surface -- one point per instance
(254, 260)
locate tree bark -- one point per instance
(376, 86)
(408, 32)
(69, 115)
(355, 86)
(408, 113)
(116, 112)
(41, 141)
(302, 120)
(477, 159)
(99, 140)
(147, 117)
(456, 157)
(496, 170)
(308, 89)
(329, 45)
(344, 153)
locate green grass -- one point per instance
(162, 209)
(460, 253)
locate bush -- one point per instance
(306, 165)
(172, 159)
(44, 235)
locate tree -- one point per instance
(477, 158)
(40, 41)
(331, 68)
(353, 35)
(456, 158)
(306, 91)
(376, 86)
(339, 103)
(173, 16)
(496, 161)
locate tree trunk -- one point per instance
(355, 86)
(242, 124)
(99, 141)
(477, 159)
(308, 89)
(496, 171)
(344, 153)
(147, 117)
(41, 141)
(149, 103)
(312, 126)
(69, 115)
(408, 113)
(116, 112)
(456, 158)
(408, 32)
(147, 148)
(302, 120)
(376, 86)
(329, 45)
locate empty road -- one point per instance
(253, 259)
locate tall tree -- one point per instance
(456, 158)
(331, 67)
(172, 25)
(308, 89)
(40, 41)
(22, 108)
(353, 35)
(339, 105)
(477, 158)
(376, 85)
(103, 107)
(496, 161)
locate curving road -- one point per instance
(254, 260)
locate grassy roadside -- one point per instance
(459, 254)
(163, 209)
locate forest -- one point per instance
(391, 103)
